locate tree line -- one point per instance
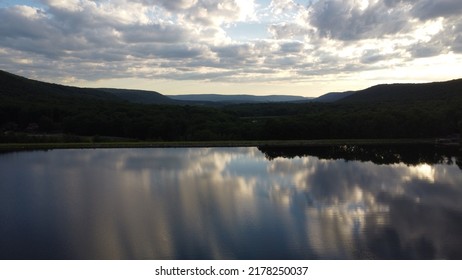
(21, 118)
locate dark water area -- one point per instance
(345, 202)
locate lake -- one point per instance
(344, 202)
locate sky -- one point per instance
(288, 47)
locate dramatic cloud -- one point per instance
(353, 20)
(229, 41)
(428, 9)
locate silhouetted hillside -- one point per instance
(140, 96)
(14, 85)
(408, 92)
(20, 86)
(31, 110)
(333, 96)
(17, 86)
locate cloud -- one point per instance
(289, 30)
(165, 33)
(218, 12)
(457, 44)
(423, 50)
(453, 38)
(94, 39)
(206, 12)
(428, 9)
(279, 7)
(371, 56)
(291, 47)
(22, 21)
(347, 20)
(172, 5)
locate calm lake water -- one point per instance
(230, 203)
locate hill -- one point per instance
(17, 86)
(407, 92)
(238, 98)
(333, 96)
(140, 96)
(33, 111)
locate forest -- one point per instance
(32, 111)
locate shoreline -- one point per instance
(5, 147)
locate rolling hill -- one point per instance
(14, 85)
(333, 96)
(139, 96)
(32, 111)
(238, 98)
(406, 92)
(17, 86)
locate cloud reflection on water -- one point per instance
(225, 203)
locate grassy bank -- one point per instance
(285, 143)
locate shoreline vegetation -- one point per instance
(5, 147)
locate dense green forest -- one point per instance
(35, 111)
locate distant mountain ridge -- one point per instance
(33, 111)
(406, 92)
(15, 85)
(18, 85)
(239, 98)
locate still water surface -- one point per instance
(225, 203)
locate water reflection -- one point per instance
(224, 203)
(410, 154)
